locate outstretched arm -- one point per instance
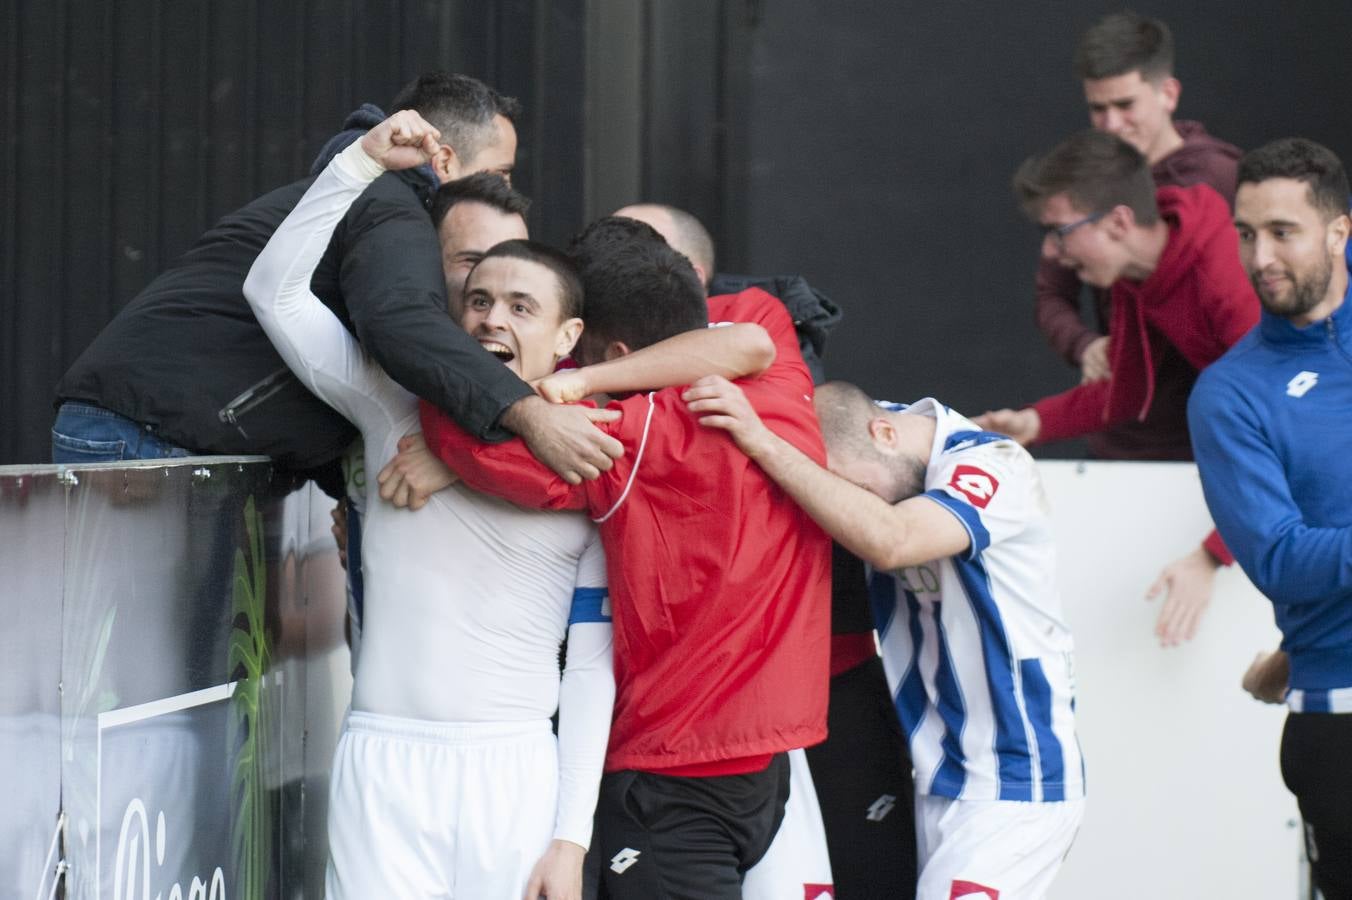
(884, 535)
(740, 350)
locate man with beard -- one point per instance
(1269, 424)
(955, 525)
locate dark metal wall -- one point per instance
(867, 146)
(129, 127)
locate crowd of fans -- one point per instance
(799, 642)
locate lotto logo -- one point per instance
(620, 862)
(977, 486)
(819, 892)
(1301, 384)
(970, 890)
(879, 808)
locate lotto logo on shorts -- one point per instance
(977, 486)
(879, 808)
(819, 892)
(620, 862)
(970, 890)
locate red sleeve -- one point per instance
(1216, 547)
(1057, 310)
(506, 470)
(757, 307)
(1073, 413)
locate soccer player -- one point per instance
(954, 523)
(720, 585)
(1270, 424)
(447, 778)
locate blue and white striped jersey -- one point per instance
(977, 654)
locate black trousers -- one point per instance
(660, 837)
(862, 773)
(1317, 768)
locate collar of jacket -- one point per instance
(1337, 328)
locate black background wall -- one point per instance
(865, 145)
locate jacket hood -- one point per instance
(1200, 225)
(1196, 160)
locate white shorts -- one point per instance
(984, 849)
(797, 864)
(439, 809)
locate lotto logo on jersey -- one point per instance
(878, 809)
(620, 862)
(977, 486)
(970, 890)
(819, 892)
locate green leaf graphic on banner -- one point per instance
(251, 725)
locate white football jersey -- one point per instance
(977, 654)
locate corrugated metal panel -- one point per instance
(130, 127)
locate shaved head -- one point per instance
(869, 445)
(685, 233)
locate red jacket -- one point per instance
(719, 583)
(1198, 300)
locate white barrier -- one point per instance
(1185, 796)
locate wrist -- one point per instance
(355, 161)
(520, 416)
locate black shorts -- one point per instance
(1317, 768)
(660, 837)
(864, 787)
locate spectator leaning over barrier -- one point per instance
(185, 369)
(1125, 63)
(977, 653)
(1271, 426)
(1169, 259)
(861, 773)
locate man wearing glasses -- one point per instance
(1169, 257)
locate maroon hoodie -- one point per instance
(1163, 434)
(1198, 301)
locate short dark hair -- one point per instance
(488, 188)
(565, 273)
(639, 290)
(1302, 160)
(460, 107)
(1125, 42)
(844, 411)
(1097, 171)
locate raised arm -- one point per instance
(884, 535)
(308, 336)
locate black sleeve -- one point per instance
(395, 294)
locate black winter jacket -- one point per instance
(187, 358)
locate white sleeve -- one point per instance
(992, 489)
(586, 699)
(315, 345)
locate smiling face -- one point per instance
(1135, 109)
(1088, 250)
(512, 308)
(1287, 247)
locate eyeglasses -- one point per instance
(1059, 232)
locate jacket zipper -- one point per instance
(252, 397)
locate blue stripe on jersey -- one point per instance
(882, 599)
(356, 590)
(970, 519)
(952, 774)
(1037, 700)
(1011, 739)
(911, 698)
(962, 440)
(590, 604)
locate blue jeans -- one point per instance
(84, 433)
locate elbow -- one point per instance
(760, 349)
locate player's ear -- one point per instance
(616, 349)
(445, 163)
(569, 331)
(883, 432)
